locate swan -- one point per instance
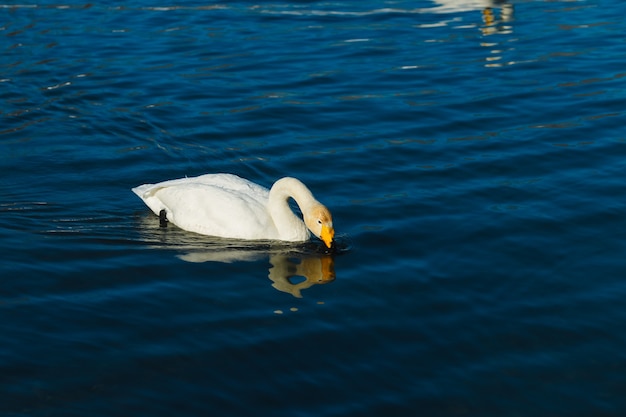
(229, 206)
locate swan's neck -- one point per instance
(289, 226)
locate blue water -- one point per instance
(473, 161)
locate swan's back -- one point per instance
(213, 204)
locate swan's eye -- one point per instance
(319, 221)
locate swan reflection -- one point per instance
(294, 268)
(314, 270)
(290, 272)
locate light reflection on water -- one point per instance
(496, 18)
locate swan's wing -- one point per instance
(146, 193)
(216, 211)
(231, 182)
(226, 182)
(233, 209)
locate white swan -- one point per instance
(229, 206)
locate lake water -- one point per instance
(473, 156)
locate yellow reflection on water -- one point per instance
(496, 18)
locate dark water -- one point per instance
(473, 160)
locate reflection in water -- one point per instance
(451, 6)
(291, 272)
(497, 22)
(294, 267)
(314, 270)
(497, 16)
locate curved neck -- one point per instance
(289, 226)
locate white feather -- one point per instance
(229, 206)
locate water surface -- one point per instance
(472, 155)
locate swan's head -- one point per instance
(320, 222)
